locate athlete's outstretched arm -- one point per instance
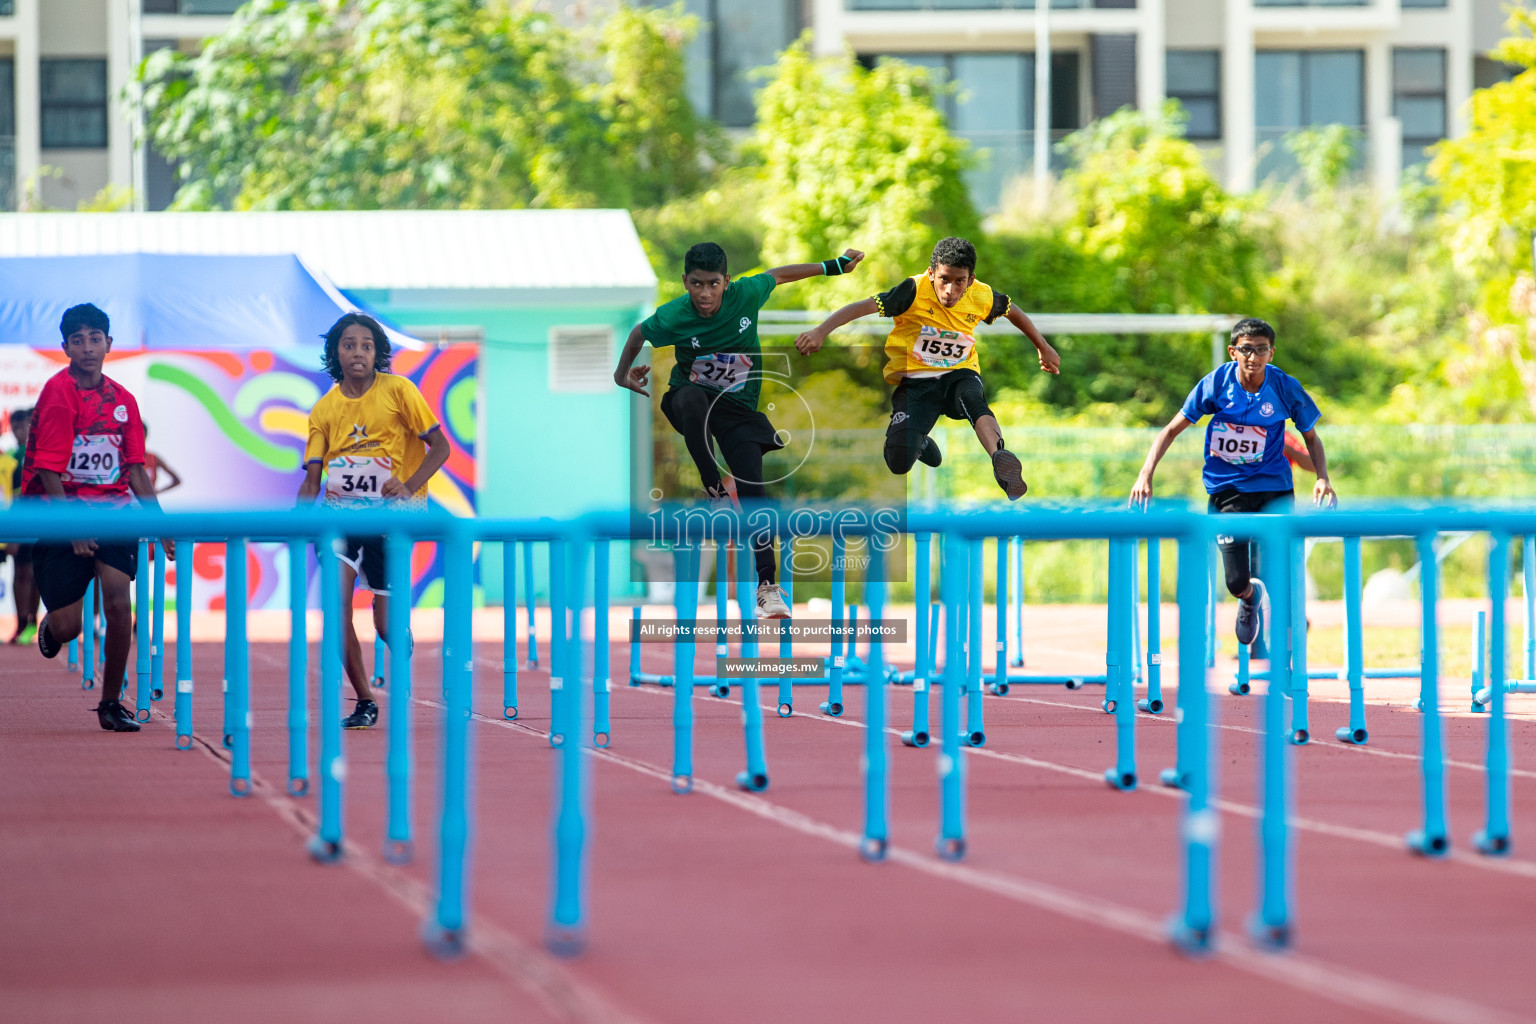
(1050, 362)
(801, 271)
(1142, 492)
(438, 450)
(1322, 491)
(811, 341)
(627, 374)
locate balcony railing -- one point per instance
(1278, 163)
(191, 6)
(971, 5)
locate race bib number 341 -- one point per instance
(357, 478)
(725, 371)
(95, 459)
(942, 349)
(1238, 444)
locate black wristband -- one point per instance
(834, 267)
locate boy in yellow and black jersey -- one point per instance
(931, 358)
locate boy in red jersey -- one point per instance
(87, 445)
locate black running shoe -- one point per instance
(1009, 474)
(1249, 615)
(930, 455)
(46, 643)
(114, 717)
(364, 716)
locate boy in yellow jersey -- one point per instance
(931, 359)
(375, 439)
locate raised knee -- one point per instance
(900, 457)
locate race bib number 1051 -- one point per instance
(1238, 444)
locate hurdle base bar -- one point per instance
(1269, 936)
(446, 943)
(1482, 696)
(912, 738)
(1425, 845)
(1151, 707)
(1195, 942)
(398, 851)
(752, 782)
(1173, 778)
(1342, 675)
(1125, 782)
(1355, 737)
(1491, 846)
(325, 851)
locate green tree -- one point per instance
(1487, 177)
(667, 148)
(361, 104)
(856, 157)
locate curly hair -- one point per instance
(954, 252)
(381, 353)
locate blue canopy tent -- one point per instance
(175, 301)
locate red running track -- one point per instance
(135, 888)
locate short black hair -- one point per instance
(21, 416)
(84, 315)
(954, 252)
(332, 362)
(706, 256)
(1252, 327)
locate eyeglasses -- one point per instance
(1251, 351)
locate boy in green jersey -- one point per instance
(713, 391)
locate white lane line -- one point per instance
(1341, 747)
(1348, 987)
(1385, 840)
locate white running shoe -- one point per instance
(770, 602)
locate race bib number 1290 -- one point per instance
(95, 459)
(1237, 444)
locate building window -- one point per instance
(736, 37)
(1194, 79)
(1422, 3)
(1486, 72)
(1418, 100)
(192, 6)
(1297, 89)
(7, 7)
(74, 94)
(993, 108)
(972, 5)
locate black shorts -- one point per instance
(62, 575)
(366, 557)
(729, 422)
(1233, 500)
(918, 402)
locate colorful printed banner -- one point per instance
(233, 426)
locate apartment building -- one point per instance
(1247, 71)
(64, 65)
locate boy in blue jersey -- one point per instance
(1246, 470)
